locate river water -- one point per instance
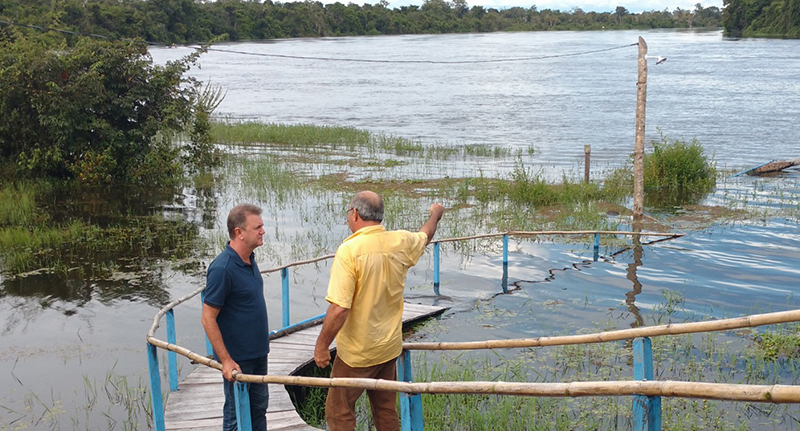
(739, 98)
(555, 93)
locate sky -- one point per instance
(586, 5)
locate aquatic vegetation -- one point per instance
(322, 140)
(781, 344)
(125, 405)
(36, 240)
(675, 173)
(677, 165)
(282, 165)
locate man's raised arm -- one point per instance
(430, 226)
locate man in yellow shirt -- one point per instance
(366, 309)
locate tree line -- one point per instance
(184, 21)
(762, 18)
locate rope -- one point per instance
(559, 232)
(360, 60)
(352, 60)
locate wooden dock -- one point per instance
(197, 405)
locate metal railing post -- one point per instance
(209, 348)
(504, 281)
(172, 359)
(646, 413)
(410, 404)
(155, 388)
(436, 269)
(242, 396)
(596, 246)
(285, 295)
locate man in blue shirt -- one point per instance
(235, 313)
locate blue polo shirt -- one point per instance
(237, 289)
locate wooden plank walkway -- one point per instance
(197, 405)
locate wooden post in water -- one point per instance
(155, 388)
(646, 414)
(241, 396)
(285, 296)
(638, 151)
(436, 268)
(410, 404)
(172, 359)
(209, 348)
(587, 153)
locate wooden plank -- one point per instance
(202, 424)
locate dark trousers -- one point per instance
(340, 406)
(259, 397)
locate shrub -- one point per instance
(678, 166)
(91, 112)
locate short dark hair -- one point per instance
(369, 209)
(238, 217)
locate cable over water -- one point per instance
(352, 60)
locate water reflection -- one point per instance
(671, 200)
(109, 246)
(630, 297)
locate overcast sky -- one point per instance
(586, 5)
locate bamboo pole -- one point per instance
(600, 337)
(638, 151)
(592, 232)
(778, 394)
(298, 263)
(624, 334)
(168, 307)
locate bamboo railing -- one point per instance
(623, 334)
(643, 388)
(718, 391)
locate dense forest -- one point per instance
(762, 18)
(181, 21)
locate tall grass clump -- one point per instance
(677, 165)
(18, 203)
(302, 136)
(530, 188)
(675, 173)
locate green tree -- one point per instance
(98, 112)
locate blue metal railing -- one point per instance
(412, 412)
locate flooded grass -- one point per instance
(323, 139)
(490, 190)
(125, 405)
(281, 168)
(35, 239)
(762, 356)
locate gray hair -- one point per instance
(238, 217)
(369, 208)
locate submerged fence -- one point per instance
(646, 405)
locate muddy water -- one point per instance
(59, 334)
